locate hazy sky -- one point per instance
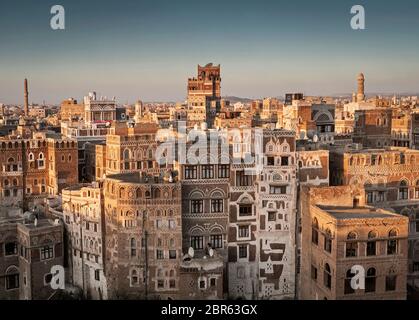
(148, 49)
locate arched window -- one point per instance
(157, 193)
(126, 154)
(372, 243)
(12, 278)
(403, 190)
(31, 157)
(327, 276)
(348, 287)
(134, 277)
(351, 245)
(138, 193)
(370, 280)
(417, 190)
(315, 231)
(122, 192)
(392, 243)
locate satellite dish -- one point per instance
(315, 138)
(211, 252)
(191, 252)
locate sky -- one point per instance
(146, 49)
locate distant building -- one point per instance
(204, 95)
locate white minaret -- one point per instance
(138, 111)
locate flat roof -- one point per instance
(341, 213)
(136, 177)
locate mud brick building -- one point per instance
(143, 236)
(339, 232)
(28, 251)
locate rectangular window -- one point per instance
(271, 216)
(159, 254)
(327, 243)
(270, 161)
(197, 206)
(191, 172)
(284, 161)
(216, 241)
(10, 248)
(242, 252)
(381, 196)
(242, 179)
(370, 197)
(160, 284)
(392, 246)
(371, 248)
(202, 284)
(245, 210)
(313, 273)
(207, 171)
(197, 242)
(391, 282)
(224, 171)
(97, 275)
(351, 249)
(243, 231)
(277, 189)
(47, 252)
(172, 284)
(172, 254)
(213, 282)
(172, 224)
(133, 252)
(217, 205)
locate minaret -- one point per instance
(26, 98)
(361, 88)
(138, 111)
